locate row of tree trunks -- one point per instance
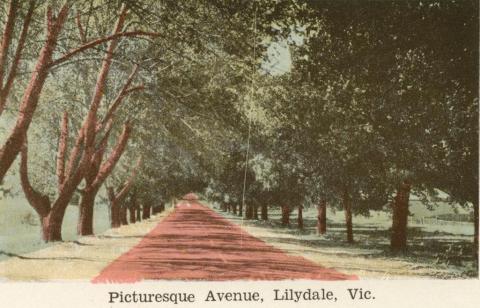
(322, 217)
(123, 215)
(251, 211)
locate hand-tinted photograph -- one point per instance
(235, 140)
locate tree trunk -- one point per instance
(162, 207)
(264, 212)
(146, 211)
(300, 217)
(248, 211)
(322, 217)
(285, 215)
(123, 215)
(115, 215)
(51, 227)
(223, 207)
(131, 211)
(234, 207)
(347, 207)
(85, 217)
(398, 242)
(139, 212)
(240, 209)
(255, 212)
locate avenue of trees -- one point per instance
(145, 101)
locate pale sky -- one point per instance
(279, 56)
(280, 60)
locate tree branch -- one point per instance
(38, 201)
(81, 31)
(98, 156)
(74, 153)
(16, 59)
(128, 184)
(100, 85)
(107, 167)
(121, 95)
(99, 41)
(62, 147)
(7, 37)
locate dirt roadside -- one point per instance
(364, 263)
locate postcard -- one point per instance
(243, 153)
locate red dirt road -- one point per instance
(195, 243)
